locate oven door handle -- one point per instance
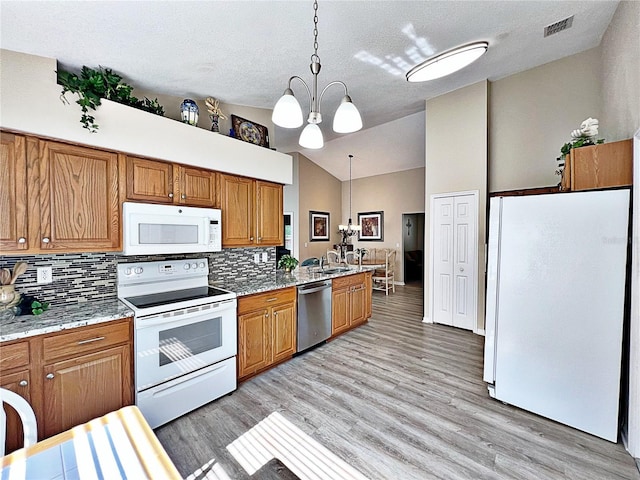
(164, 319)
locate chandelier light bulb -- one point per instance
(287, 112)
(347, 118)
(311, 137)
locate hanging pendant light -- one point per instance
(288, 114)
(349, 229)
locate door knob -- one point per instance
(461, 269)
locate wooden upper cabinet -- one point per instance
(236, 202)
(599, 166)
(195, 186)
(252, 212)
(79, 203)
(13, 193)
(269, 213)
(148, 180)
(155, 181)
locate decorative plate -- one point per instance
(250, 132)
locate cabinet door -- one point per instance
(196, 187)
(269, 213)
(20, 383)
(368, 287)
(236, 203)
(283, 332)
(88, 386)
(358, 304)
(13, 193)
(253, 337)
(79, 206)
(149, 180)
(339, 310)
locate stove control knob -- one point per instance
(201, 265)
(127, 271)
(138, 270)
(194, 265)
(187, 266)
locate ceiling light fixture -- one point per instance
(448, 62)
(288, 114)
(349, 229)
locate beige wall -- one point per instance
(620, 73)
(532, 114)
(458, 162)
(318, 191)
(394, 194)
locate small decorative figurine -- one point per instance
(213, 107)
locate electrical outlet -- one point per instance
(45, 274)
(256, 258)
(265, 257)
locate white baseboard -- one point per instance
(479, 331)
(426, 320)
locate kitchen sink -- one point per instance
(329, 271)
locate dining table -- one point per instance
(119, 445)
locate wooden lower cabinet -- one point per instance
(69, 377)
(82, 388)
(350, 302)
(266, 330)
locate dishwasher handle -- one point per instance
(315, 287)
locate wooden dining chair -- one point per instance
(25, 412)
(384, 278)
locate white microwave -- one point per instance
(150, 229)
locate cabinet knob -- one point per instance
(22, 240)
(259, 238)
(46, 240)
(171, 195)
(266, 314)
(50, 376)
(275, 314)
(183, 196)
(251, 238)
(23, 383)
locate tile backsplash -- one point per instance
(82, 277)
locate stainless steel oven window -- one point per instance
(161, 233)
(190, 340)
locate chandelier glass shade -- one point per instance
(287, 112)
(447, 62)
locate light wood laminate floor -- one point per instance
(396, 399)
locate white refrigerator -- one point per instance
(556, 276)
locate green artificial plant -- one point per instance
(93, 85)
(287, 262)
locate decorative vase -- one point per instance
(8, 297)
(189, 111)
(214, 123)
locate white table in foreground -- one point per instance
(119, 445)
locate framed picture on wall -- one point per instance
(372, 226)
(319, 226)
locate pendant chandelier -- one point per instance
(288, 114)
(349, 229)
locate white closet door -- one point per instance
(454, 224)
(443, 260)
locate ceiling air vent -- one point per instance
(558, 26)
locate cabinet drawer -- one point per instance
(86, 339)
(14, 355)
(347, 281)
(266, 300)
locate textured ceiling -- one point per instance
(243, 52)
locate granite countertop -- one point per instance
(61, 317)
(300, 276)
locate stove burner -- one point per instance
(165, 298)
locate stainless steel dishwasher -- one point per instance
(314, 314)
